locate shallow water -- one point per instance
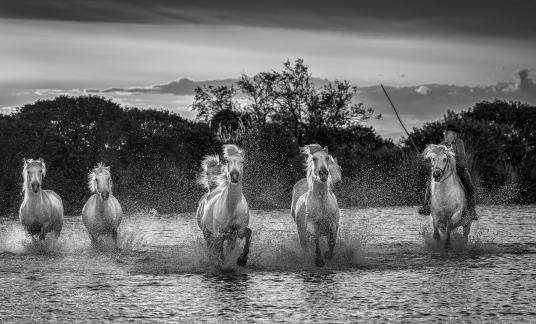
(386, 267)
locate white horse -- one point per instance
(448, 202)
(41, 211)
(102, 212)
(223, 213)
(314, 205)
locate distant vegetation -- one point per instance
(155, 155)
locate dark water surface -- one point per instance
(386, 268)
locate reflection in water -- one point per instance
(385, 267)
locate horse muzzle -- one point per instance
(323, 175)
(235, 176)
(105, 195)
(437, 174)
(35, 187)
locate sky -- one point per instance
(432, 56)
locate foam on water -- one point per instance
(385, 267)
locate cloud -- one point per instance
(414, 107)
(418, 17)
(179, 87)
(423, 90)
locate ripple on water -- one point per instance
(386, 266)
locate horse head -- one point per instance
(100, 181)
(234, 158)
(33, 173)
(442, 159)
(320, 165)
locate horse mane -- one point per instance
(26, 163)
(232, 150)
(432, 150)
(92, 176)
(334, 168)
(209, 163)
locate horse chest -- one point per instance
(39, 210)
(317, 210)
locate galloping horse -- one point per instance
(448, 202)
(313, 202)
(102, 212)
(223, 213)
(41, 211)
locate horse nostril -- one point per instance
(35, 187)
(234, 176)
(105, 195)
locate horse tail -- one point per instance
(208, 177)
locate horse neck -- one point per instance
(32, 198)
(234, 194)
(99, 202)
(318, 188)
(450, 180)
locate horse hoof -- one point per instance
(242, 260)
(328, 255)
(436, 236)
(319, 263)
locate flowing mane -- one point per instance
(333, 167)
(432, 150)
(230, 150)
(92, 177)
(28, 163)
(209, 163)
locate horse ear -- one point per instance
(25, 161)
(326, 150)
(335, 159)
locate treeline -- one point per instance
(151, 152)
(155, 155)
(500, 139)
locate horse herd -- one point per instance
(223, 212)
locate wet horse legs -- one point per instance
(243, 258)
(114, 236)
(318, 260)
(332, 239)
(447, 240)
(466, 231)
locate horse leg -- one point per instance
(304, 237)
(436, 232)
(208, 238)
(447, 241)
(114, 236)
(318, 260)
(466, 231)
(217, 248)
(243, 258)
(45, 228)
(332, 239)
(231, 243)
